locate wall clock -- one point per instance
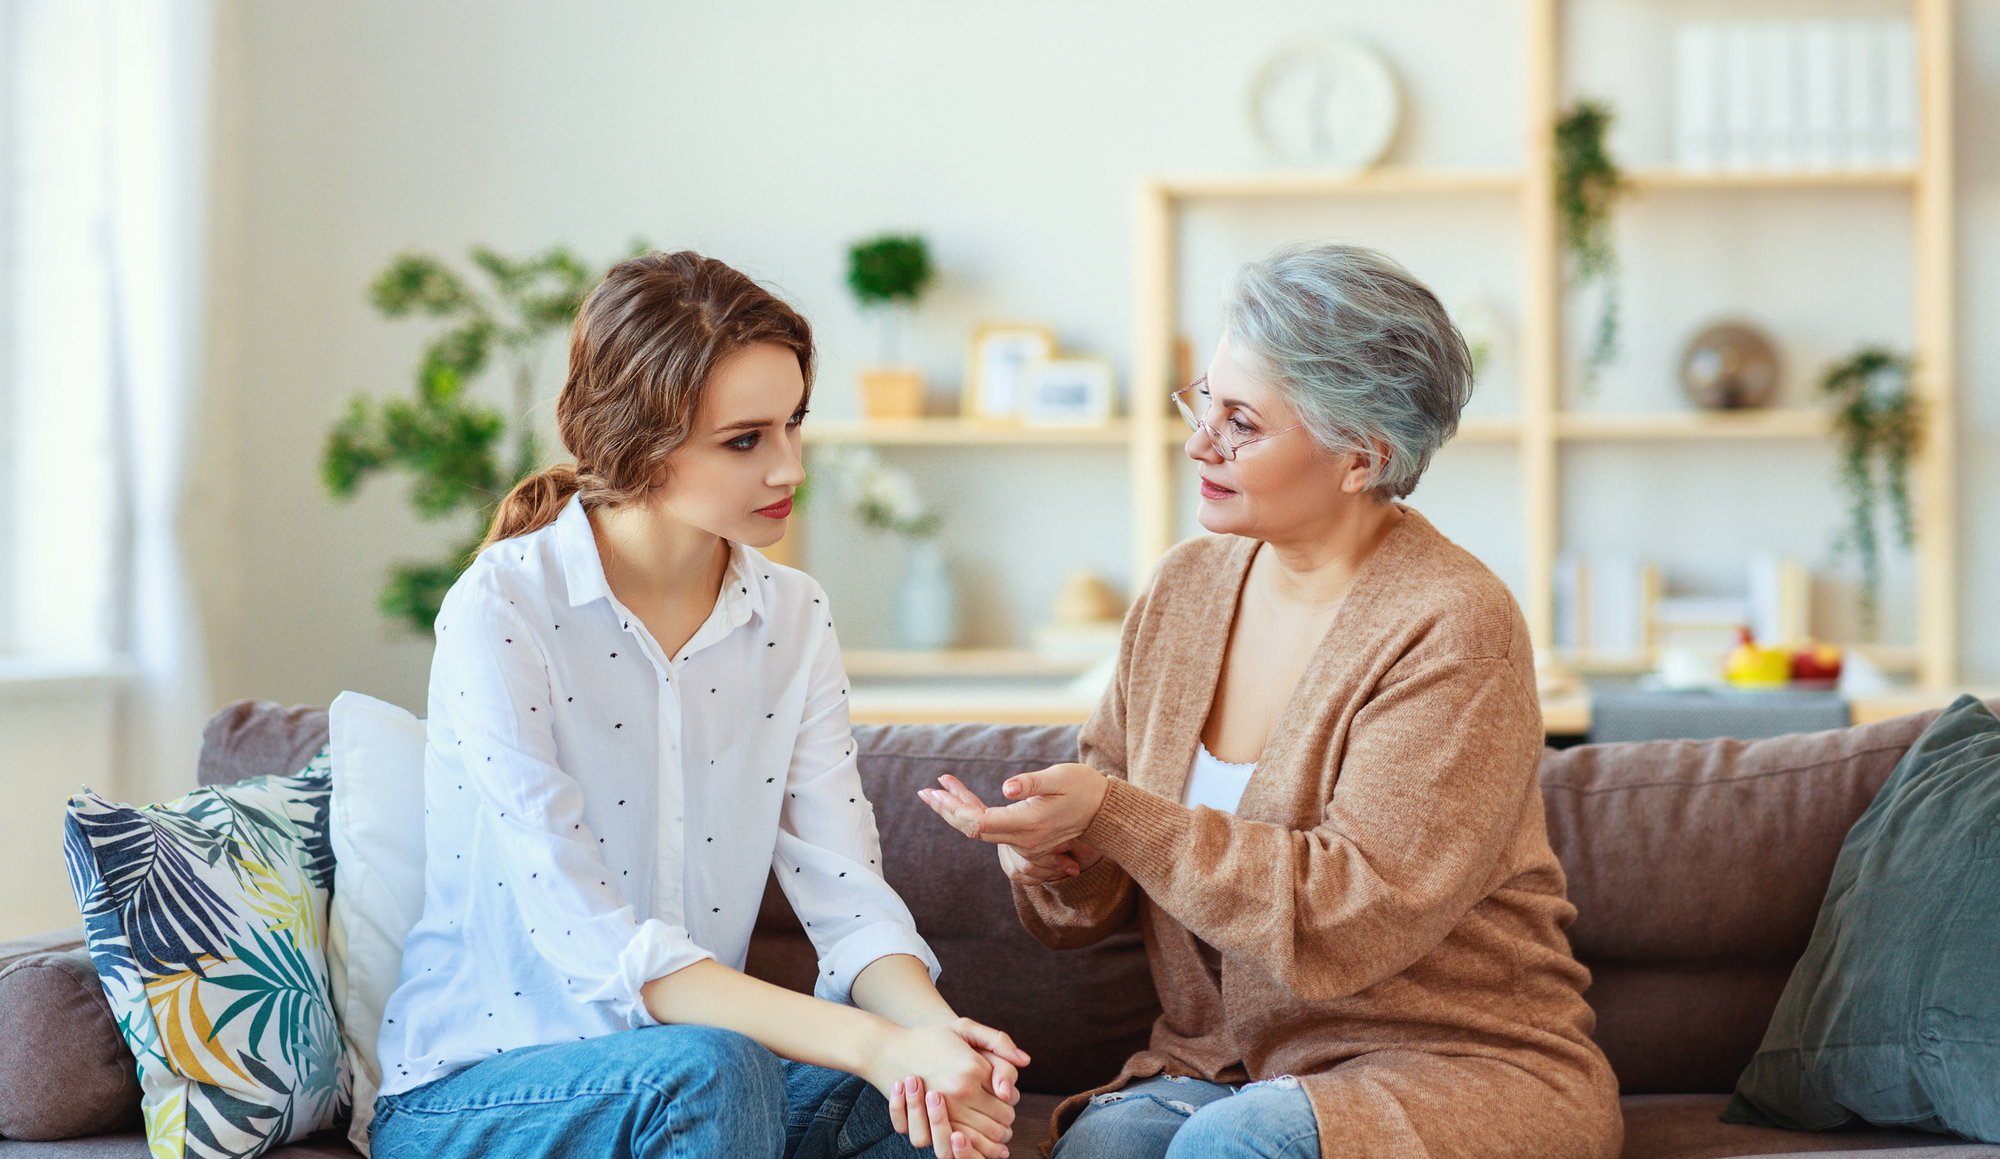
(1325, 101)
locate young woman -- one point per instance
(1313, 779)
(634, 718)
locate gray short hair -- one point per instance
(1361, 349)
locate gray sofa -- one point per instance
(1697, 869)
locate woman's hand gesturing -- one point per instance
(1054, 807)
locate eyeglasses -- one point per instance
(1226, 443)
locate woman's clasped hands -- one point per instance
(955, 1100)
(1040, 835)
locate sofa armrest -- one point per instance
(64, 1069)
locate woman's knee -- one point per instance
(1137, 1122)
(1266, 1120)
(725, 1053)
(713, 1084)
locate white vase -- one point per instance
(926, 601)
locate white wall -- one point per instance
(771, 134)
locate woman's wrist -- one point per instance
(866, 1043)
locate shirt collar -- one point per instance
(742, 586)
(583, 568)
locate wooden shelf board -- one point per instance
(954, 432)
(1772, 423)
(904, 705)
(1668, 179)
(1324, 183)
(1902, 702)
(996, 662)
(1567, 714)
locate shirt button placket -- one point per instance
(669, 890)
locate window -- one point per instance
(64, 397)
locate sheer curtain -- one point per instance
(106, 143)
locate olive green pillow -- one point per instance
(1892, 1016)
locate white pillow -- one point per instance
(378, 875)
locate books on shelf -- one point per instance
(1785, 96)
(1612, 606)
(1604, 603)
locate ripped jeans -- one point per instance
(1170, 1117)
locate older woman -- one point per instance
(1314, 778)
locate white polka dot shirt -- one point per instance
(600, 814)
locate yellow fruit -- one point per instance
(1754, 666)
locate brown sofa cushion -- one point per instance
(252, 738)
(993, 970)
(1697, 870)
(64, 1071)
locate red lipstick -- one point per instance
(778, 510)
(1212, 491)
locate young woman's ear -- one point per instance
(659, 477)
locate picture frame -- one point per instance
(997, 364)
(1073, 391)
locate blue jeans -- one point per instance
(1182, 1118)
(665, 1092)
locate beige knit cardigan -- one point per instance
(1386, 909)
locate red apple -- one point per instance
(1818, 662)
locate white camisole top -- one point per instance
(1216, 783)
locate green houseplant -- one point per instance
(1588, 182)
(1880, 424)
(887, 274)
(450, 444)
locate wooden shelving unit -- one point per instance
(1544, 427)
(1152, 435)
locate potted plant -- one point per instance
(888, 274)
(1880, 425)
(1588, 182)
(451, 444)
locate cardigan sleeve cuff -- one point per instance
(1139, 830)
(1088, 891)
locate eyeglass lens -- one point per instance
(1224, 444)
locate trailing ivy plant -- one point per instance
(452, 445)
(1587, 183)
(1880, 423)
(889, 270)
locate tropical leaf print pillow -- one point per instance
(206, 918)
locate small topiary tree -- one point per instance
(449, 443)
(889, 272)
